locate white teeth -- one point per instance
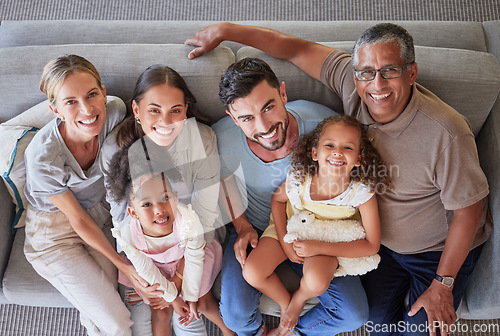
(89, 121)
(380, 96)
(164, 131)
(162, 220)
(336, 163)
(270, 135)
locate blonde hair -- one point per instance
(57, 70)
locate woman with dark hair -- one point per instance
(165, 131)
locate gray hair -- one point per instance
(383, 33)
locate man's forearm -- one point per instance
(460, 238)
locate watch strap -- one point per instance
(446, 281)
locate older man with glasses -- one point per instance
(433, 223)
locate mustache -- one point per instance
(272, 129)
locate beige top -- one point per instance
(432, 157)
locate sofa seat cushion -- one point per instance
(21, 283)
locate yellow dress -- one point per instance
(297, 203)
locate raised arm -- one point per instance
(306, 55)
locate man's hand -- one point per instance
(305, 248)
(246, 236)
(206, 39)
(437, 301)
(290, 253)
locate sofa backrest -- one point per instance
(452, 63)
(459, 35)
(119, 67)
(469, 81)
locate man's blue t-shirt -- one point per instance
(261, 178)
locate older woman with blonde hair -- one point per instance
(67, 216)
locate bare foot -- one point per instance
(291, 317)
(273, 332)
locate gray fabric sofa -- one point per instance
(456, 60)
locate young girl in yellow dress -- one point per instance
(335, 174)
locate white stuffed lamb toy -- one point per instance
(305, 226)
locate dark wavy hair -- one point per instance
(154, 75)
(372, 170)
(125, 167)
(241, 77)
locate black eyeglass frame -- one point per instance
(356, 72)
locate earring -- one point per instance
(138, 121)
(62, 119)
(185, 121)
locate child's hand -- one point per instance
(158, 303)
(182, 308)
(193, 307)
(305, 248)
(291, 254)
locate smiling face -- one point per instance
(154, 206)
(81, 103)
(262, 116)
(338, 149)
(385, 98)
(161, 111)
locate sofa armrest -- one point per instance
(6, 234)
(482, 299)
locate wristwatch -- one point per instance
(447, 281)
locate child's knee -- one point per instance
(316, 282)
(250, 273)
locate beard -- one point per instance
(276, 144)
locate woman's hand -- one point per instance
(141, 285)
(158, 303)
(183, 310)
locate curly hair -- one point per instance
(372, 170)
(127, 167)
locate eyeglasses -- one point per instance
(387, 73)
